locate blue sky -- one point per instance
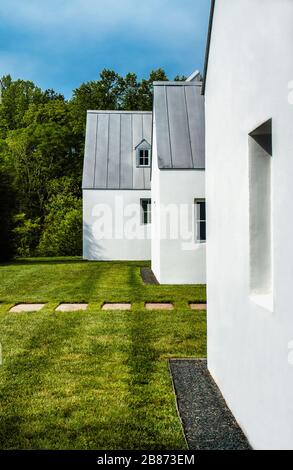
(61, 43)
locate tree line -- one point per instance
(41, 158)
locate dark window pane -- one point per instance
(202, 231)
(202, 210)
(144, 158)
(146, 210)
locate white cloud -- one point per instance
(164, 19)
(61, 43)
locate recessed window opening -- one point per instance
(200, 220)
(260, 218)
(146, 211)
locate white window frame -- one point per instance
(146, 157)
(198, 221)
(146, 211)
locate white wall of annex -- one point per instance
(250, 67)
(155, 192)
(179, 260)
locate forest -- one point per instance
(41, 158)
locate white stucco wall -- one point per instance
(250, 66)
(179, 260)
(125, 237)
(155, 192)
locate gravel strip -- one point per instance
(207, 421)
(148, 276)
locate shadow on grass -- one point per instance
(153, 422)
(141, 361)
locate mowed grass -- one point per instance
(92, 379)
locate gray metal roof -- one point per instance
(179, 125)
(110, 155)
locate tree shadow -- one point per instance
(92, 250)
(41, 261)
(24, 375)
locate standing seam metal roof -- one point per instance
(179, 125)
(110, 154)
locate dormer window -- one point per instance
(143, 154)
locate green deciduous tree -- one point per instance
(26, 235)
(16, 97)
(45, 149)
(41, 157)
(62, 233)
(7, 207)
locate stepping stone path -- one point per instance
(71, 307)
(159, 306)
(26, 308)
(116, 306)
(198, 306)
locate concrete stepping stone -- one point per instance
(159, 306)
(116, 306)
(71, 307)
(26, 308)
(198, 306)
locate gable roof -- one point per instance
(110, 155)
(179, 125)
(194, 76)
(208, 47)
(143, 143)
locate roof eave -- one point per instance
(177, 83)
(107, 111)
(213, 2)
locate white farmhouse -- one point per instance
(116, 186)
(249, 167)
(178, 183)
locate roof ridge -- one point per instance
(107, 111)
(177, 83)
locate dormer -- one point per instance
(143, 154)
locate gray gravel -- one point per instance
(207, 421)
(148, 276)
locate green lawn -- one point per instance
(92, 379)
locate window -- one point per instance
(146, 211)
(143, 154)
(260, 223)
(144, 158)
(200, 220)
